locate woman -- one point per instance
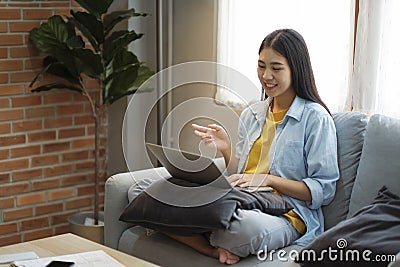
(287, 142)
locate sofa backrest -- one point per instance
(379, 163)
(350, 130)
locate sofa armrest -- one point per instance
(116, 199)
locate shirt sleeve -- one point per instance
(241, 134)
(322, 163)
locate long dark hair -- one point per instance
(291, 45)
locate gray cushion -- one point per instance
(375, 227)
(380, 162)
(147, 211)
(350, 130)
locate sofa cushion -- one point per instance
(374, 229)
(350, 130)
(379, 163)
(147, 211)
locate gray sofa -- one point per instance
(369, 157)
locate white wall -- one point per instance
(194, 39)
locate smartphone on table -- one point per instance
(60, 264)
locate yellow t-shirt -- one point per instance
(258, 159)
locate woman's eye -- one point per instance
(261, 67)
(276, 69)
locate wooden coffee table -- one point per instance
(69, 244)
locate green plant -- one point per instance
(97, 52)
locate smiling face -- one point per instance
(275, 76)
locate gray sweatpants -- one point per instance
(252, 231)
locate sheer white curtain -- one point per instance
(327, 27)
(377, 58)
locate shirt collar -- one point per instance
(297, 108)
(295, 111)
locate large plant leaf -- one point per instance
(144, 73)
(112, 19)
(53, 66)
(123, 60)
(65, 56)
(80, 60)
(88, 62)
(50, 35)
(120, 62)
(50, 86)
(117, 41)
(60, 70)
(120, 84)
(125, 67)
(95, 7)
(75, 42)
(43, 71)
(90, 26)
(117, 96)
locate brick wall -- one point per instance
(46, 139)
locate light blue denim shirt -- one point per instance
(304, 148)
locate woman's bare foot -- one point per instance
(202, 245)
(227, 257)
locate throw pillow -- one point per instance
(350, 131)
(379, 158)
(149, 212)
(370, 238)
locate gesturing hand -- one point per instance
(213, 135)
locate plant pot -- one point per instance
(85, 230)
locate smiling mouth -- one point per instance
(270, 86)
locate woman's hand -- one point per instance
(216, 137)
(247, 180)
(295, 189)
(213, 135)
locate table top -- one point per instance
(69, 244)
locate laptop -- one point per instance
(185, 165)
(193, 167)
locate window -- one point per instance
(377, 58)
(327, 27)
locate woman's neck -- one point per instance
(281, 103)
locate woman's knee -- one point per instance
(249, 224)
(246, 234)
(251, 231)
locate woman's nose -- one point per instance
(267, 75)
